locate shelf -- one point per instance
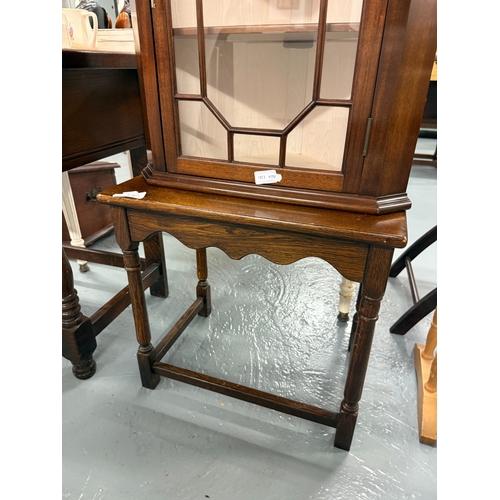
(269, 28)
(292, 161)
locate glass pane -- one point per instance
(341, 43)
(186, 46)
(187, 65)
(201, 133)
(260, 60)
(256, 149)
(183, 13)
(318, 141)
(344, 11)
(260, 64)
(338, 65)
(259, 12)
(260, 81)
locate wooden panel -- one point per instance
(402, 86)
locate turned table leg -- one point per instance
(203, 287)
(371, 293)
(155, 254)
(146, 355)
(153, 246)
(78, 339)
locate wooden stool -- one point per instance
(360, 247)
(426, 368)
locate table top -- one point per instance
(385, 230)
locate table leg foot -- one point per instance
(84, 267)
(345, 296)
(85, 369)
(78, 338)
(345, 429)
(343, 317)
(146, 356)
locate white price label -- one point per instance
(267, 177)
(131, 194)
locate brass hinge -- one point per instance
(367, 136)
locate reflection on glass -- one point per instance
(201, 133)
(318, 141)
(256, 149)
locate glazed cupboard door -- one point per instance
(246, 86)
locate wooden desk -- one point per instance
(101, 108)
(101, 116)
(359, 246)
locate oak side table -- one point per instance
(359, 246)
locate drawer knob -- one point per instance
(92, 194)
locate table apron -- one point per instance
(278, 246)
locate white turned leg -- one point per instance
(71, 218)
(346, 294)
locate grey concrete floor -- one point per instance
(273, 328)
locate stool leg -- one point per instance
(203, 287)
(374, 283)
(146, 355)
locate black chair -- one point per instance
(421, 306)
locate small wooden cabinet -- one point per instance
(329, 94)
(94, 219)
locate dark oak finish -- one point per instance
(359, 246)
(101, 116)
(396, 51)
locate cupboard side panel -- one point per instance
(401, 92)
